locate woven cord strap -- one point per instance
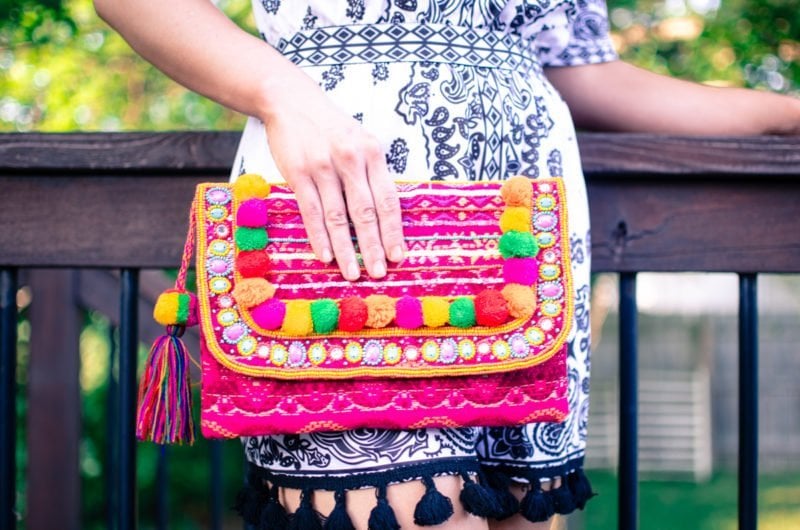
(188, 249)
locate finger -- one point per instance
(387, 204)
(338, 225)
(312, 212)
(351, 167)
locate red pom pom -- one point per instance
(491, 308)
(352, 313)
(252, 263)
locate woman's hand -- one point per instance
(338, 173)
(320, 151)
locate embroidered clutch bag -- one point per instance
(470, 329)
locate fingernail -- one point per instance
(396, 254)
(326, 255)
(379, 269)
(353, 272)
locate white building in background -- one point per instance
(688, 364)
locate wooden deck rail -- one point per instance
(120, 201)
(657, 203)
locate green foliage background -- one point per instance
(63, 69)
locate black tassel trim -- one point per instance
(339, 519)
(273, 515)
(478, 499)
(507, 504)
(305, 518)
(537, 506)
(563, 502)
(434, 508)
(250, 499)
(580, 487)
(382, 516)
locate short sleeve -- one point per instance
(579, 36)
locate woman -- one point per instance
(366, 91)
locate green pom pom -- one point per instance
(324, 315)
(251, 238)
(183, 308)
(462, 312)
(514, 244)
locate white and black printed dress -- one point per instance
(453, 89)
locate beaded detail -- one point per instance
(431, 317)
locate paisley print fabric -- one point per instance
(444, 114)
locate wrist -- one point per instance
(787, 116)
(281, 90)
(794, 113)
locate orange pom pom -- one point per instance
(517, 191)
(250, 292)
(380, 310)
(521, 300)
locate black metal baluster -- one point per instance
(112, 449)
(162, 489)
(126, 400)
(216, 484)
(748, 402)
(8, 397)
(628, 404)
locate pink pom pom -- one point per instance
(408, 312)
(523, 271)
(269, 314)
(252, 213)
(192, 320)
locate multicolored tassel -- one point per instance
(164, 413)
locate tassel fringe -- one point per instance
(563, 502)
(305, 518)
(382, 516)
(537, 506)
(339, 519)
(434, 508)
(164, 413)
(580, 488)
(273, 515)
(477, 499)
(250, 498)
(486, 495)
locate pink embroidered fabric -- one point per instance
(296, 378)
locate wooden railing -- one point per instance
(119, 201)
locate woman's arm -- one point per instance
(320, 151)
(617, 96)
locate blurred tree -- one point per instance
(62, 69)
(753, 43)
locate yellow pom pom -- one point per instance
(435, 311)
(166, 309)
(250, 186)
(298, 318)
(517, 191)
(521, 300)
(380, 310)
(516, 218)
(250, 292)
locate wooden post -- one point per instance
(54, 407)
